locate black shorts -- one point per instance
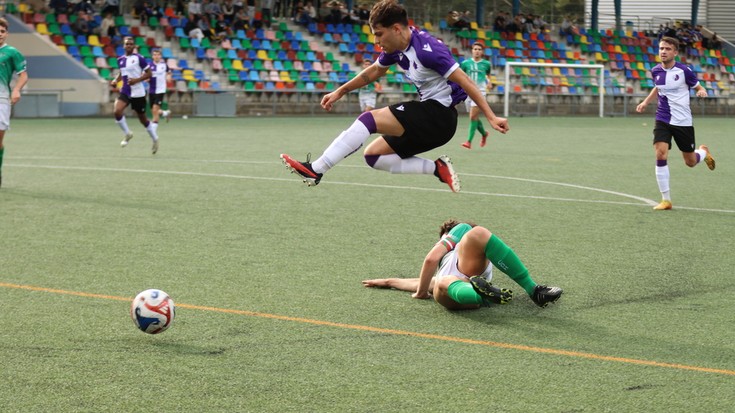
(137, 104)
(427, 125)
(683, 135)
(156, 99)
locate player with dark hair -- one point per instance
(12, 62)
(672, 82)
(459, 268)
(134, 70)
(478, 69)
(407, 128)
(157, 86)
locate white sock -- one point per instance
(151, 128)
(343, 146)
(123, 124)
(701, 154)
(413, 165)
(662, 177)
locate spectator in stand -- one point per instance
(84, 6)
(250, 8)
(195, 8)
(266, 9)
(567, 26)
(240, 20)
(192, 27)
(110, 6)
(228, 11)
(364, 13)
(211, 9)
(222, 28)
(238, 5)
(540, 24)
(452, 19)
(81, 25)
(206, 28)
(464, 20)
(302, 16)
(500, 22)
(513, 26)
(716, 42)
(107, 27)
(311, 11)
(59, 6)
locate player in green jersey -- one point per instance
(459, 268)
(368, 94)
(478, 69)
(11, 62)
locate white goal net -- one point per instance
(554, 79)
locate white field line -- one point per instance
(642, 201)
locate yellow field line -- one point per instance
(520, 347)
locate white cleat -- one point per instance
(127, 139)
(155, 147)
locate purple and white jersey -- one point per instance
(427, 63)
(673, 93)
(158, 78)
(132, 67)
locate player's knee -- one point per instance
(479, 234)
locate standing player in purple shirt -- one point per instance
(673, 116)
(407, 128)
(134, 70)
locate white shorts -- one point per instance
(4, 114)
(469, 103)
(448, 267)
(368, 99)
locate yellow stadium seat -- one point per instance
(42, 29)
(474, 26)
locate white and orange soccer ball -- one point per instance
(152, 311)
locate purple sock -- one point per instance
(369, 122)
(662, 162)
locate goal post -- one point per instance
(599, 68)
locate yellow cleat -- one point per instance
(663, 206)
(708, 159)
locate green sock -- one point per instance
(463, 293)
(473, 128)
(480, 127)
(508, 262)
(2, 152)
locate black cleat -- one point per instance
(543, 295)
(303, 169)
(492, 294)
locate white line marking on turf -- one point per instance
(646, 202)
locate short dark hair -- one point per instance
(4, 23)
(478, 44)
(671, 40)
(451, 223)
(387, 13)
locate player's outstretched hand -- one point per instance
(641, 107)
(702, 93)
(500, 124)
(329, 99)
(378, 283)
(421, 296)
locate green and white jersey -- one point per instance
(368, 89)
(11, 61)
(477, 71)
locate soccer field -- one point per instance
(271, 315)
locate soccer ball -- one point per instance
(152, 311)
